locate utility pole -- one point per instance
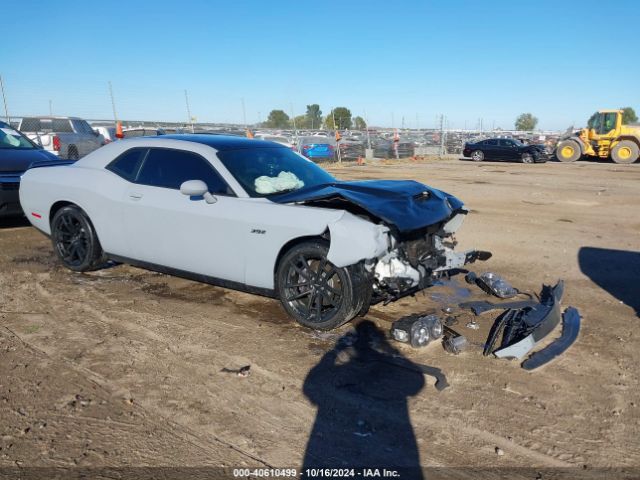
(4, 99)
(393, 120)
(293, 119)
(335, 127)
(186, 99)
(113, 103)
(441, 134)
(366, 119)
(244, 114)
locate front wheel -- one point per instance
(568, 151)
(316, 293)
(527, 158)
(75, 241)
(477, 156)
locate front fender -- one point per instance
(354, 239)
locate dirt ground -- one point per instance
(124, 367)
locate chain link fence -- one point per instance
(38, 108)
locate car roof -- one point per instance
(221, 142)
(53, 117)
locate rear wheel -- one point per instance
(477, 156)
(316, 293)
(72, 153)
(625, 151)
(568, 151)
(75, 241)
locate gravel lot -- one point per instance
(125, 367)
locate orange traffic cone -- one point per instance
(360, 161)
(119, 133)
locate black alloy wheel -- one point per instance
(312, 290)
(74, 240)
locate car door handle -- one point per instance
(135, 196)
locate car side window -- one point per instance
(128, 163)
(505, 143)
(492, 142)
(169, 168)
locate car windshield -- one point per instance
(269, 171)
(12, 139)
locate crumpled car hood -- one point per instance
(405, 204)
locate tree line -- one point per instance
(338, 118)
(527, 122)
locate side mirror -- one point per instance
(197, 188)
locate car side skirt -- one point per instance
(197, 277)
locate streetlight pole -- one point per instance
(186, 99)
(4, 99)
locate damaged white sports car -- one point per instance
(249, 215)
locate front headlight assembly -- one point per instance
(417, 331)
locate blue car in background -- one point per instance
(316, 147)
(17, 154)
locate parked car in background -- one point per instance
(249, 215)
(504, 149)
(141, 132)
(276, 138)
(317, 147)
(108, 134)
(384, 148)
(17, 154)
(351, 149)
(66, 137)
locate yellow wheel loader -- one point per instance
(604, 137)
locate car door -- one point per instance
(167, 228)
(491, 149)
(509, 149)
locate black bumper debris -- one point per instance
(570, 330)
(523, 329)
(483, 306)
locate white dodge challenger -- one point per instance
(249, 215)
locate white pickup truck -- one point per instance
(67, 137)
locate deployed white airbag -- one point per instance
(284, 181)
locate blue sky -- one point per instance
(559, 60)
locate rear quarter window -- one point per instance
(128, 163)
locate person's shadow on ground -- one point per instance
(361, 388)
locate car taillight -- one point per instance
(306, 147)
(56, 143)
(331, 147)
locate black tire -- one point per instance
(316, 293)
(568, 151)
(477, 155)
(72, 153)
(527, 157)
(75, 241)
(625, 152)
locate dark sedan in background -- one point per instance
(504, 149)
(17, 154)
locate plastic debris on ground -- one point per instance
(493, 284)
